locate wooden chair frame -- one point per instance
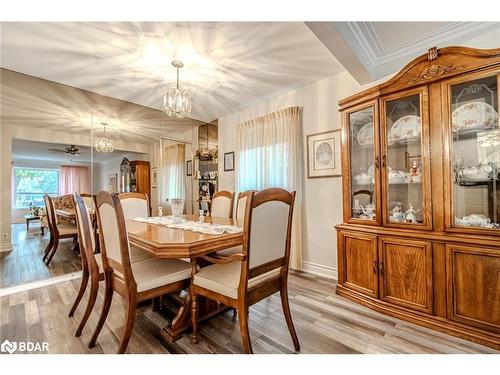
(55, 236)
(247, 297)
(227, 194)
(90, 267)
(123, 281)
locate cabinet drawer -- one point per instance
(405, 271)
(473, 286)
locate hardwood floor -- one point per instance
(24, 263)
(325, 323)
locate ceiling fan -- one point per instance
(70, 149)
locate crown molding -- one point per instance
(379, 61)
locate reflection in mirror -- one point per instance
(47, 130)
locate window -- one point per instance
(30, 185)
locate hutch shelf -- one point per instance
(420, 238)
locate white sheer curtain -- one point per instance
(174, 173)
(268, 155)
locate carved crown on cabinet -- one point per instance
(436, 64)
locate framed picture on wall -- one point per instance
(112, 183)
(189, 168)
(154, 177)
(324, 154)
(229, 161)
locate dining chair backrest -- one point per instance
(134, 205)
(241, 204)
(85, 232)
(51, 214)
(113, 236)
(222, 204)
(268, 225)
(88, 200)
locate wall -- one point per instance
(322, 205)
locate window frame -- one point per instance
(14, 188)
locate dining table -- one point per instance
(165, 242)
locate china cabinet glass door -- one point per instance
(405, 160)
(364, 164)
(475, 152)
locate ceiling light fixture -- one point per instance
(177, 101)
(104, 144)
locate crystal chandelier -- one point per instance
(104, 144)
(177, 101)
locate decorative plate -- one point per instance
(407, 127)
(474, 115)
(365, 135)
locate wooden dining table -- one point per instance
(163, 242)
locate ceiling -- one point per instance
(228, 65)
(30, 150)
(40, 104)
(373, 50)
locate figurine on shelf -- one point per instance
(369, 210)
(396, 215)
(411, 215)
(415, 173)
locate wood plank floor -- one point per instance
(325, 323)
(24, 263)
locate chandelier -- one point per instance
(177, 101)
(104, 144)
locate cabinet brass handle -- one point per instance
(375, 266)
(376, 162)
(381, 268)
(383, 160)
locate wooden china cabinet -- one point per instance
(420, 238)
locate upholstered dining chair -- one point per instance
(240, 217)
(134, 205)
(260, 270)
(57, 230)
(135, 282)
(222, 204)
(91, 263)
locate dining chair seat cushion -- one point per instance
(137, 255)
(225, 278)
(67, 229)
(153, 273)
(231, 251)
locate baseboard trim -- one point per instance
(39, 284)
(5, 247)
(320, 270)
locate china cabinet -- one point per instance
(420, 238)
(134, 177)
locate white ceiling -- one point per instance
(228, 65)
(40, 104)
(30, 150)
(373, 50)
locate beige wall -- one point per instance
(322, 196)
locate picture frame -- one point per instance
(189, 168)
(324, 154)
(229, 161)
(154, 177)
(113, 183)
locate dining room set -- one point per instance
(209, 263)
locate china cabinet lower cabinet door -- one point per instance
(474, 286)
(360, 263)
(405, 271)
